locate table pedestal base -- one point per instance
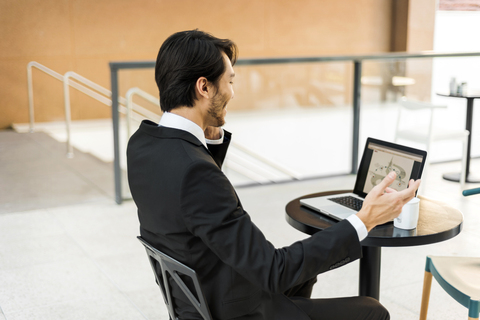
(455, 176)
(369, 283)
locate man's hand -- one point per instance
(213, 133)
(383, 204)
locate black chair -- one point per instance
(171, 268)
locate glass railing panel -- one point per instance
(302, 113)
(298, 115)
(384, 82)
(463, 69)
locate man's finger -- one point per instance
(412, 182)
(387, 181)
(389, 190)
(410, 191)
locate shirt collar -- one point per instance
(174, 121)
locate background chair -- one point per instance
(459, 277)
(471, 192)
(172, 269)
(429, 134)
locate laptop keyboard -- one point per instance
(349, 202)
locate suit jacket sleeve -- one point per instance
(212, 211)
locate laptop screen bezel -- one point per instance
(364, 166)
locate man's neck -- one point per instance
(190, 113)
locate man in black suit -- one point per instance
(188, 208)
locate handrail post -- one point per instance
(116, 147)
(129, 97)
(48, 71)
(357, 75)
(30, 97)
(68, 115)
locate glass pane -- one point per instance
(297, 116)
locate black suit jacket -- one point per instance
(188, 209)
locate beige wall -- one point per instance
(83, 36)
(420, 28)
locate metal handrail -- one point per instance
(139, 92)
(290, 173)
(60, 77)
(255, 171)
(240, 168)
(85, 86)
(48, 71)
(129, 105)
(377, 56)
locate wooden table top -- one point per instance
(437, 222)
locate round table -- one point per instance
(471, 95)
(437, 222)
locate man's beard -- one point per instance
(217, 105)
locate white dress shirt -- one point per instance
(171, 120)
(174, 121)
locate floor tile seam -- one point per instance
(46, 305)
(82, 177)
(99, 197)
(39, 306)
(102, 271)
(389, 287)
(62, 259)
(406, 308)
(65, 164)
(124, 294)
(41, 264)
(88, 181)
(35, 137)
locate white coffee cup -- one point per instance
(408, 219)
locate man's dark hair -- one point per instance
(183, 58)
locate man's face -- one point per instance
(218, 103)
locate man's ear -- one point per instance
(202, 87)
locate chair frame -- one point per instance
(431, 271)
(171, 267)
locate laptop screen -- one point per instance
(380, 158)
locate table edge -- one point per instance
(371, 241)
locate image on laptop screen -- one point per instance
(384, 160)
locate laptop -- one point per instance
(378, 160)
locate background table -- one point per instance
(437, 222)
(470, 96)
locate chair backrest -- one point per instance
(417, 105)
(413, 105)
(171, 268)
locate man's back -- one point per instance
(188, 209)
(161, 164)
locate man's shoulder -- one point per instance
(151, 129)
(166, 145)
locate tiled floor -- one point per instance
(74, 255)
